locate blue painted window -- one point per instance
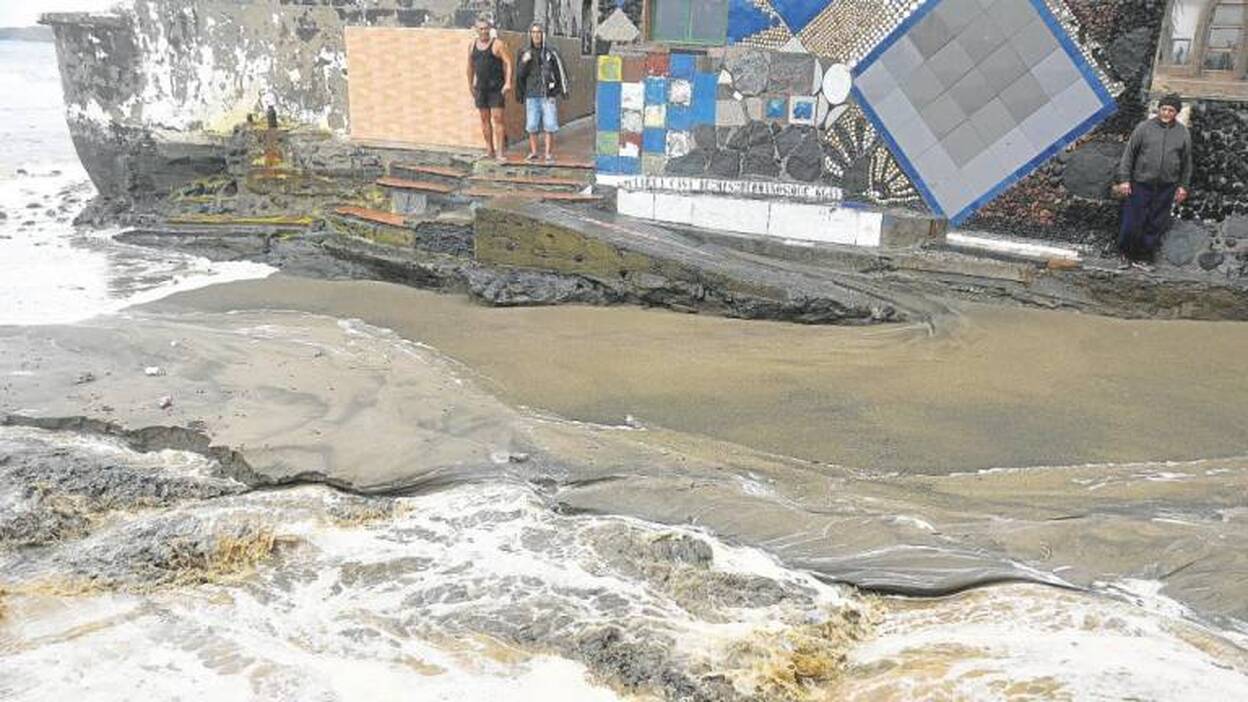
(689, 21)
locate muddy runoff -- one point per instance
(288, 494)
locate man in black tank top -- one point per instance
(489, 78)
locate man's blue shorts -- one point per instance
(540, 115)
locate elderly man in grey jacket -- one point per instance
(1153, 174)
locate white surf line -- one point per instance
(1017, 248)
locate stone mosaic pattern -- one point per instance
(647, 108)
(971, 95)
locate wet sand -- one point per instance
(993, 387)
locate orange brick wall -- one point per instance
(406, 86)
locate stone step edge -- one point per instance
(529, 180)
(407, 184)
(530, 194)
(444, 171)
(518, 160)
(371, 215)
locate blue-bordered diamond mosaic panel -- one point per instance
(972, 95)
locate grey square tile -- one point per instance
(980, 38)
(1001, 68)
(985, 4)
(922, 86)
(1014, 151)
(1034, 42)
(992, 121)
(1055, 73)
(876, 82)
(902, 57)
(913, 137)
(972, 92)
(963, 144)
(896, 109)
(943, 115)
(1023, 97)
(1012, 15)
(1076, 103)
(1045, 126)
(957, 14)
(982, 173)
(935, 166)
(950, 63)
(930, 34)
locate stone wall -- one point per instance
(152, 87)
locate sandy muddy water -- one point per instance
(990, 388)
(463, 580)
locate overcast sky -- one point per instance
(21, 13)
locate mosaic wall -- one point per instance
(751, 114)
(1068, 199)
(972, 95)
(648, 106)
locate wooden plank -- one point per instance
(405, 184)
(376, 216)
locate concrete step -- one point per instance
(482, 192)
(437, 173)
(563, 167)
(533, 182)
(427, 186)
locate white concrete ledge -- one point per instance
(1014, 248)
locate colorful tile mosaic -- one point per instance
(798, 13)
(634, 70)
(608, 143)
(609, 68)
(680, 91)
(656, 90)
(643, 123)
(679, 117)
(802, 110)
(630, 144)
(632, 96)
(654, 141)
(656, 116)
(776, 108)
(657, 63)
(745, 19)
(607, 105)
(682, 65)
(632, 120)
(679, 144)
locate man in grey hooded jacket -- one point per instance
(1154, 173)
(540, 80)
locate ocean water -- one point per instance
(50, 271)
(665, 575)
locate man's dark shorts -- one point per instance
(492, 100)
